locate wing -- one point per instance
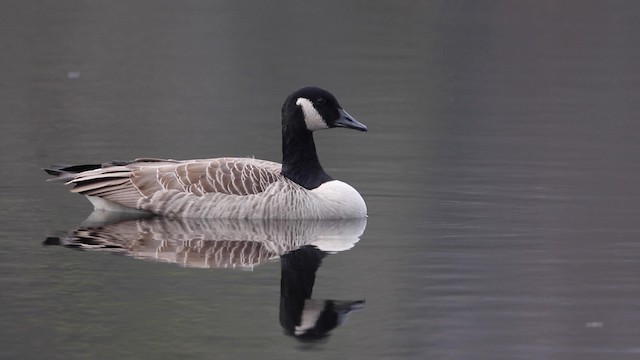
(231, 176)
(126, 184)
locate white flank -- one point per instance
(283, 199)
(106, 205)
(311, 116)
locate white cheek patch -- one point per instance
(311, 116)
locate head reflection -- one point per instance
(300, 315)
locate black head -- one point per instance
(319, 109)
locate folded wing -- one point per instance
(142, 178)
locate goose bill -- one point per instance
(346, 120)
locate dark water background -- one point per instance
(500, 169)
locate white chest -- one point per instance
(340, 200)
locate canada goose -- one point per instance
(233, 187)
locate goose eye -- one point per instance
(321, 101)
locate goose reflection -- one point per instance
(239, 244)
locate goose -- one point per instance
(230, 187)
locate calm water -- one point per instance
(500, 169)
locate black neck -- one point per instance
(299, 158)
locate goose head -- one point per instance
(313, 108)
(304, 111)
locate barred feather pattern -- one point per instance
(241, 188)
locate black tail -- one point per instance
(66, 173)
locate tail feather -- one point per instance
(67, 173)
(110, 181)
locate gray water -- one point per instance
(500, 171)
